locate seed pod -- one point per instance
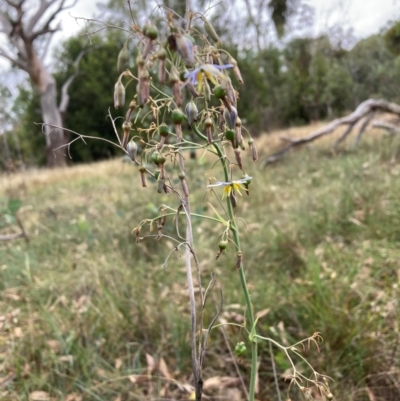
(191, 112)
(230, 135)
(154, 158)
(240, 349)
(142, 169)
(329, 396)
(163, 131)
(126, 128)
(123, 58)
(119, 95)
(230, 117)
(147, 49)
(253, 149)
(219, 92)
(236, 70)
(161, 161)
(185, 188)
(208, 123)
(210, 30)
(132, 149)
(176, 87)
(160, 184)
(222, 246)
(239, 259)
(132, 106)
(140, 61)
(144, 87)
(150, 31)
(238, 131)
(161, 54)
(238, 158)
(230, 91)
(178, 117)
(184, 47)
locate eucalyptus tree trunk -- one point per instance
(51, 115)
(28, 30)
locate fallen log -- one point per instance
(366, 110)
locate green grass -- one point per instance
(83, 304)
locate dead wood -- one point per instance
(366, 110)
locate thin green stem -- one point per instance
(236, 240)
(174, 214)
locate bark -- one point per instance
(23, 30)
(55, 137)
(392, 128)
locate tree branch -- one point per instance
(392, 128)
(363, 128)
(11, 237)
(14, 60)
(64, 90)
(45, 28)
(364, 109)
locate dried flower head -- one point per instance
(119, 95)
(191, 112)
(132, 149)
(184, 47)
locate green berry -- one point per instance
(163, 129)
(219, 92)
(222, 245)
(240, 349)
(230, 135)
(177, 116)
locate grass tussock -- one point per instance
(88, 314)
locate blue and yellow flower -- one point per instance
(231, 186)
(210, 71)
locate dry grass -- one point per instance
(87, 314)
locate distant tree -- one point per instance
(28, 32)
(392, 38)
(374, 70)
(90, 96)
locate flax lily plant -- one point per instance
(172, 73)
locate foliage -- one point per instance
(304, 80)
(89, 99)
(392, 38)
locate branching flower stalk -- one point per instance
(183, 88)
(243, 282)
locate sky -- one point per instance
(364, 16)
